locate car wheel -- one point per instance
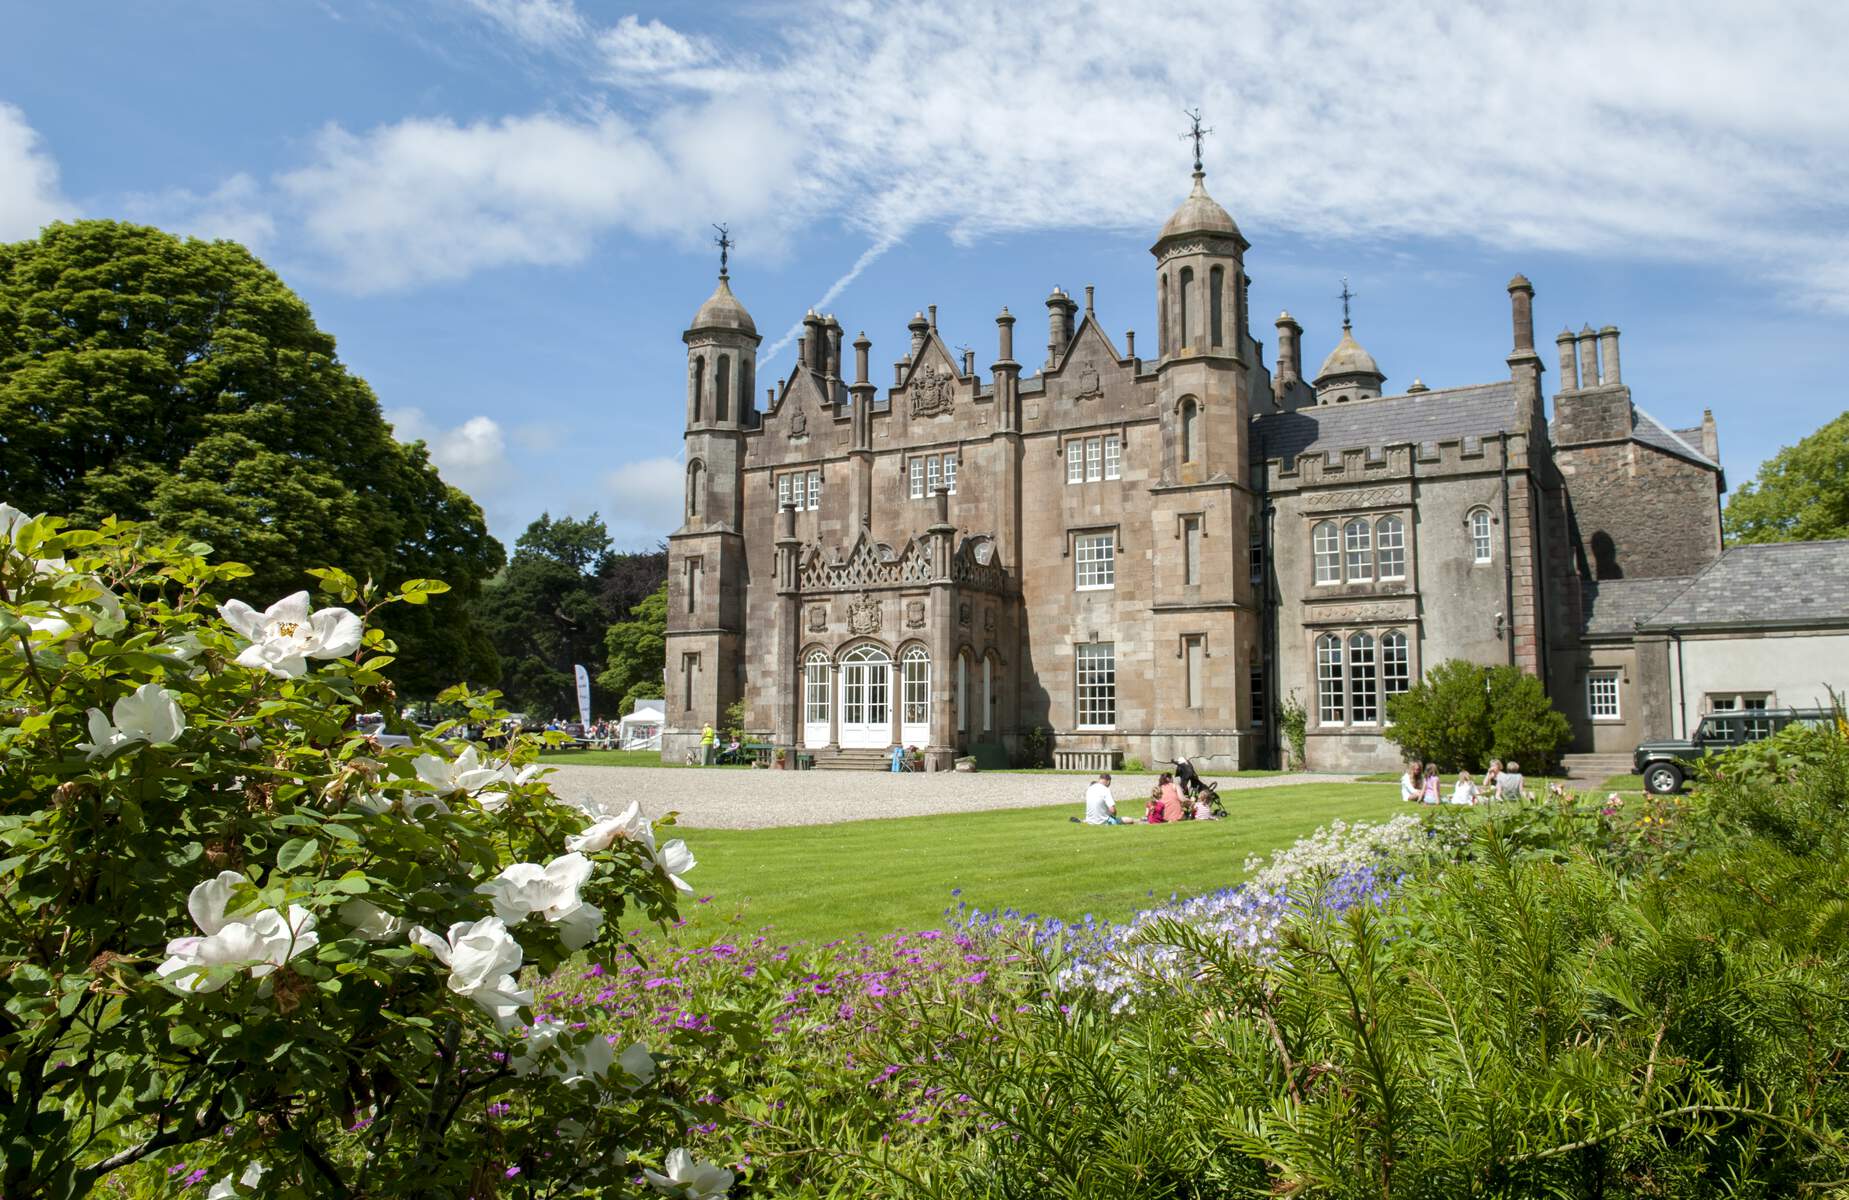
(1662, 779)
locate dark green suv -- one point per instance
(1666, 763)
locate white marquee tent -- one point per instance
(642, 727)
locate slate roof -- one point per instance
(1652, 432)
(1780, 583)
(1480, 410)
(1614, 606)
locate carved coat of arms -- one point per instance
(1089, 386)
(863, 616)
(799, 422)
(818, 620)
(914, 614)
(931, 391)
(963, 613)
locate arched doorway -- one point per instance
(818, 712)
(866, 699)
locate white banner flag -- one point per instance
(584, 695)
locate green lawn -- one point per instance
(612, 758)
(820, 882)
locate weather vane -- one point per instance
(1196, 133)
(724, 242)
(1346, 297)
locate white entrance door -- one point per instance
(866, 699)
(818, 712)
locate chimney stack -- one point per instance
(1569, 367)
(1521, 310)
(1588, 357)
(861, 346)
(919, 327)
(1088, 289)
(1290, 350)
(969, 364)
(1004, 336)
(833, 366)
(1129, 343)
(1056, 335)
(1608, 355)
(933, 310)
(814, 342)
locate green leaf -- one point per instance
(296, 853)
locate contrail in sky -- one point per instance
(835, 289)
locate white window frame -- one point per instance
(1390, 548)
(1331, 680)
(917, 472)
(1113, 456)
(915, 687)
(1363, 679)
(818, 692)
(783, 492)
(933, 474)
(1075, 461)
(1095, 678)
(1603, 686)
(1358, 550)
(1482, 545)
(1395, 665)
(1094, 459)
(950, 474)
(815, 490)
(1326, 554)
(1094, 559)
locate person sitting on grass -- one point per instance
(1509, 783)
(1490, 776)
(1412, 783)
(1466, 791)
(1169, 793)
(1429, 791)
(1100, 805)
(1152, 812)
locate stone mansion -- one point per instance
(1147, 556)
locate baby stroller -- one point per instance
(1193, 787)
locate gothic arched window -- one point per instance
(1187, 302)
(916, 688)
(1162, 325)
(1390, 546)
(722, 389)
(699, 386)
(1358, 539)
(1329, 683)
(1216, 288)
(1363, 685)
(1326, 549)
(1395, 663)
(1480, 545)
(696, 486)
(1190, 433)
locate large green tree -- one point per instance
(636, 651)
(1801, 495)
(181, 382)
(546, 615)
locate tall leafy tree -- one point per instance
(545, 613)
(182, 382)
(1801, 495)
(636, 651)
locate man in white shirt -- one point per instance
(1100, 805)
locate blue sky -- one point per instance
(501, 207)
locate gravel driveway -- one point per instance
(733, 799)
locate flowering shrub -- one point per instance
(242, 942)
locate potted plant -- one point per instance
(783, 759)
(917, 756)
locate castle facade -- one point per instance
(1148, 556)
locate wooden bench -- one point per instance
(1088, 760)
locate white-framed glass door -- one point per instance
(818, 709)
(915, 698)
(866, 699)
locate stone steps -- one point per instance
(1595, 768)
(853, 760)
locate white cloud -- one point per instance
(471, 456)
(539, 23)
(1641, 130)
(29, 195)
(237, 210)
(645, 501)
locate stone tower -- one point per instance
(706, 555)
(1201, 499)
